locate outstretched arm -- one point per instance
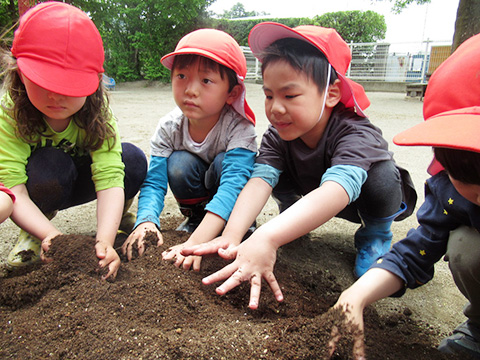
(255, 258)
(109, 212)
(30, 218)
(249, 203)
(374, 285)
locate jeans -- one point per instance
(57, 181)
(192, 178)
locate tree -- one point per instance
(238, 11)
(137, 33)
(355, 26)
(466, 24)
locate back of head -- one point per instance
(58, 47)
(451, 105)
(220, 47)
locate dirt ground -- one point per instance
(154, 310)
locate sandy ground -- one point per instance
(139, 106)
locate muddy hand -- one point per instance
(108, 257)
(221, 245)
(174, 254)
(347, 326)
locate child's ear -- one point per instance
(334, 94)
(234, 94)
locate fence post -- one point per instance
(425, 60)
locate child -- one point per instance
(321, 158)
(6, 202)
(450, 216)
(205, 148)
(59, 140)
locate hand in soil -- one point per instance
(223, 242)
(46, 245)
(254, 261)
(108, 258)
(174, 254)
(137, 242)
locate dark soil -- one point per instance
(153, 310)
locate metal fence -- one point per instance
(389, 62)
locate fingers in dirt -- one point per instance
(255, 290)
(274, 286)
(221, 274)
(232, 282)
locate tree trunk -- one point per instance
(467, 23)
(24, 5)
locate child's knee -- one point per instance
(463, 250)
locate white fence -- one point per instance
(396, 62)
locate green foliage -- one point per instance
(8, 16)
(239, 29)
(137, 33)
(399, 5)
(238, 11)
(355, 26)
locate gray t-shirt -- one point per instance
(231, 131)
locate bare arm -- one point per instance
(255, 258)
(109, 212)
(29, 217)
(374, 285)
(250, 202)
(6, 206)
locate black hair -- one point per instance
(183, 61)
(301, 56)
(462, 165)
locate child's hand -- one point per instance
(175, 254)
(212, 247)
(46, 242)
(255, 259)
(136, 238)
(353, 325)
(108, 257)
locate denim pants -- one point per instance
(56, 181)
(380, 197)
(191, 178)
(463, 252)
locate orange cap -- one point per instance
(328, 41)
(451, 105)
(218, 46)
(58, 47)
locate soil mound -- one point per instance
(153, 310)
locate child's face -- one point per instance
(200, 93)
(58, 109)
(293, 103)
(470, 192)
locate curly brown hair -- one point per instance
(92, 117)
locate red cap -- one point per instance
(328, 41)
(58, 48)
(222, 48)
(451, 105)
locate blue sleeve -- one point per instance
(153, 191)
(350, 177)
(236, 170)
(267, 173)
